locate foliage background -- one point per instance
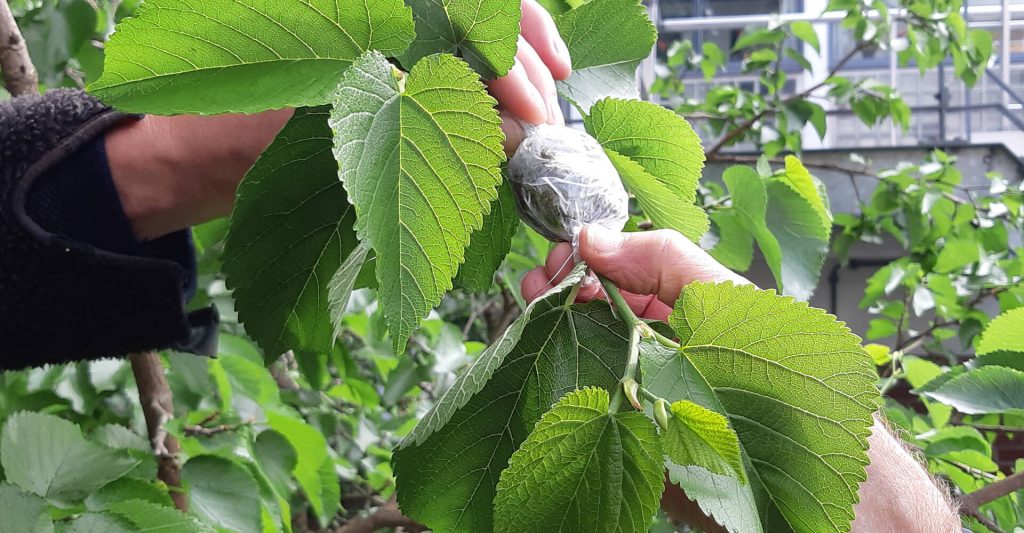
(306, 443)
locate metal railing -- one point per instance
(947, 119)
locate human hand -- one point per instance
(176, 172)
(528, 92)
(652, 268)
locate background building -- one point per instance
(983, 126)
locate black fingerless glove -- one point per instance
(75, 283)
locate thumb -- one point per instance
(658, 262)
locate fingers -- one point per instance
(528, 91)
(513, 132)
(658, 263)
(517, 95)
(539, 30)
(541, 79)
(542, 279)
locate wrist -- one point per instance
(176, 172)
(148, 172)
(899, 493)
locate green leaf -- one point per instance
(955, 438)
(798, 389)
(339, 290)
(989, 389)
(448, 481)
(56, 32)
(804, 31)
(955, 254)
(724, 498)
(586, 87)
(484, 366)
(490, 244)
(431, 142)
(49, 457)
(603, 32)
(23, 512)
(94, 522)
(583, 469)
(1005, 333)
(290, 231)
(735, 245)
(557, 7)
(758, 37)
(661, 170)
(311, 452)
(483, 32)
(797, 226)
(249, 379)
(879, 353)
(785, 213)
(148, 516)
(222, 492)
(744, 222)
(276, 456)
(712, 59)
(117, 436)
(128, 489)
(810, 189)
(330, 498)
(606, 39)
(219, 56)
(701, 437)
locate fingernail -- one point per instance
(538, 103)
(555, 112)
(603, 241)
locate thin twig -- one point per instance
(993, 427)
(916, 340)
(201, 430)
(20, 77)
(626, 315)
(158, 408)
(993, 491)
(385, 516)
(742, 128)
(985, 521)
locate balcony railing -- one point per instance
(946, 110)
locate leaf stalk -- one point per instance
(637, 329)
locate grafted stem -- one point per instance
(636, 326)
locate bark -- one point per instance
(158, 408)
(971, 503)
(19, 74)
(386, 515)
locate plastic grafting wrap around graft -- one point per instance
(564, 181)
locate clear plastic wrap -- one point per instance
(564, 181)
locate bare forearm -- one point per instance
(175, 172)
(899, 494)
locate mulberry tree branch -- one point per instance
(19, 74)
(386, 515)
(158, 408)
(971, 503)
